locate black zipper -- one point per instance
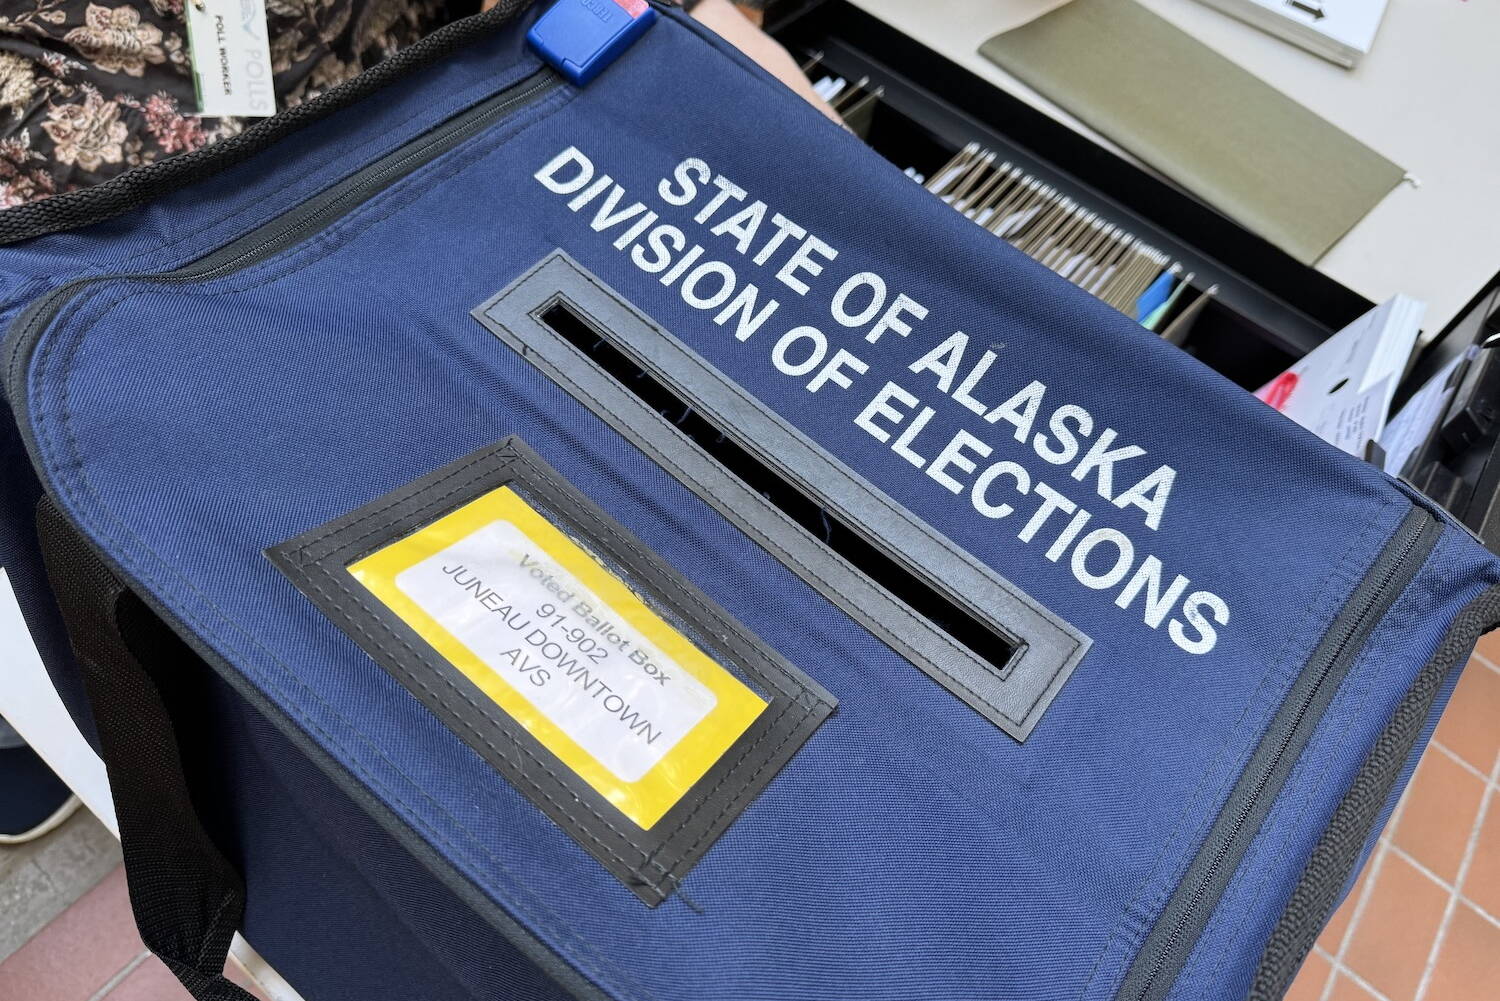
(1173, 937)
(287, 230)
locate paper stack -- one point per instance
(1340, 31)
(1342, 389)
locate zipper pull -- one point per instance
(582, 37)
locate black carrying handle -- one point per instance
(188, 899)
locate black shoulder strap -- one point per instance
(187, 897)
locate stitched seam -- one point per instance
(786, 556)
(1313, 785)
(24, 293)
(602, 527)
(387, 652)
(650, 859)
(213, 927)
(331, 249)
(358, 767)
(892, 638)
(1129, 914)
(399, 197)
(69, 310)
(347, 232)
(1335, 745)
(385, 505)
(795, 722)
(709, 831)
(63, 479)
(344, 230)
(335, 156)
(858, 484)
(1165, 893)
(382, 527)
(477, 92)
(474, 93)
(358, 212)
(547, 921)
(131, 287)
(687, 477)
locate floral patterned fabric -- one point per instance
(90, 88)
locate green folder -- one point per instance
(1227, 136)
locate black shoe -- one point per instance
(33, 801)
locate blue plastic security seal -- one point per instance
(582, 37)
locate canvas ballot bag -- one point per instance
(522, 539)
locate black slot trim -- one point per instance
(998, 648)
(1048, 648)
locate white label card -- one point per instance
(566, 648)
(231, 58)
(591, 673)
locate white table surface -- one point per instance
(1427, 96)
(30, 704)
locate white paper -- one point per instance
(231, 57)
(589, 672)
(1342, 389)
(1351, 24)
(1408, 429)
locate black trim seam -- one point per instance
(651, 863)
(1338, 851)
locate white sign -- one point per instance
(231, 57)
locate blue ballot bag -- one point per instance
(624, 540)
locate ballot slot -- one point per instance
(817, 520)
(1232, 300)
(983, 637)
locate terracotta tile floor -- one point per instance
(91, 952)
(1423, 920)
(1422, 923)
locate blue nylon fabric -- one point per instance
(1407, 638)
(19, 494)
(911, 849)
(327, 888)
